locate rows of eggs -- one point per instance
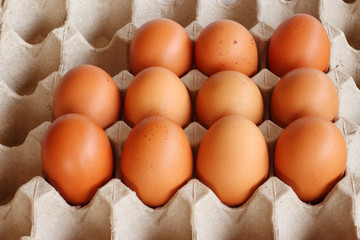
(16, 131)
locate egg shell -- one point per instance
(156, 160)
(304, 92)
(226, 45)
(310, 156)
(299, 41)
(233, 159)
(88, 90)
(227, 93)
(77, 158)
(161, 42)
(157, 91)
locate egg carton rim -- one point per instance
(272, 181)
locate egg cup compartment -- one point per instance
(20, 114)
(98, 21)
(24, 65)
(33, 20)
(20, 164)
(348, 22)
(16, 218)
(76, 51)
(343, 57)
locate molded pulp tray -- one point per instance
(41, 40)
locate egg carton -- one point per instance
(40, 40)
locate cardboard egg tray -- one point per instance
(40, 40)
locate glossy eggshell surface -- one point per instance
(227, 93)
(157, 91)
(226, 45)
(88, 90)
(156, 160)
(233, 159)
(299, 41)
(310, 156)
(76, 157)
(161, 42)
(304, 92)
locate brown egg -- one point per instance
(156, 160)
(227, 93)
(226, 45)
(161, 42)
(88, 90)
(233, 159)
(157, 91)
(310, 156)
(304, 92)
(299, 41)
(76, 157)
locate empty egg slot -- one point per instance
(350, 29)
(33, 20)
(23, 65)
(183, 12)
(242, 11)
(19, 115)
(112, 58)
(20, 164)
(16, 217)
(348, 21)
(98, 21)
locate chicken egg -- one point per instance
(226, 45)
(299, 41)
(88, 90)
(226, 93)
(233, 159)
(310, 156)
(77, 158)
(161, 42)
(304, 92)
(156, 160)
(157, 91)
